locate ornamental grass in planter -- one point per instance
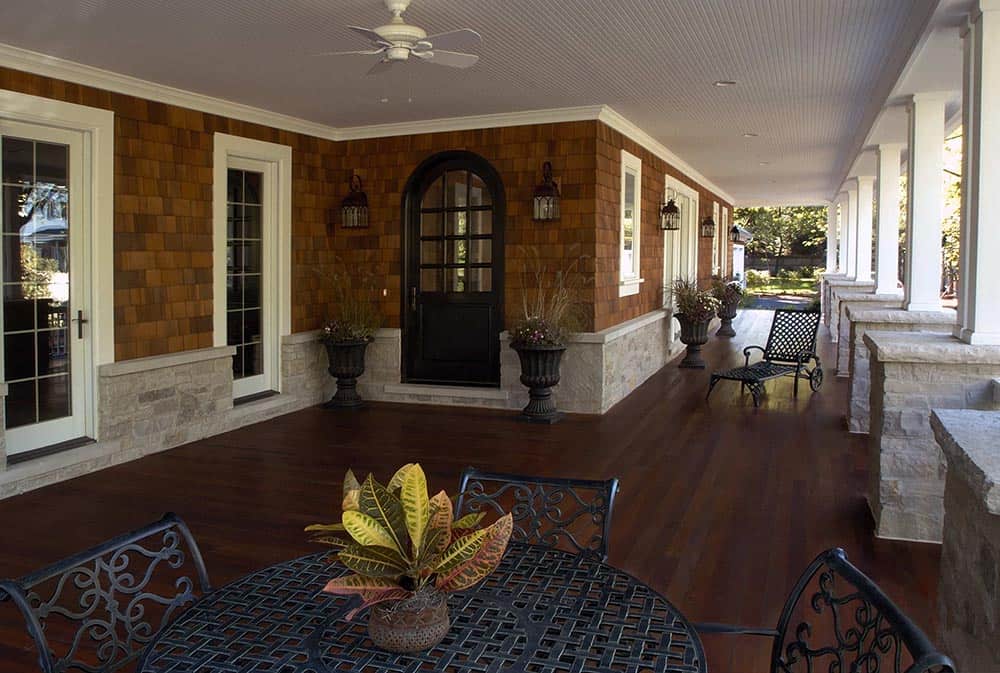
(347, 335)
(550, 313)
(730, 295)
(694, 310)
(407, 553)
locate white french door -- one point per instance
(45, 261)
(680, 248)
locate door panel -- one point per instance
(45, 262)
(453, 308)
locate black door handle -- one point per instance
(80, 321)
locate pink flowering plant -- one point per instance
(550, 302)
(357, 314)
(727, 292)
(697, 306)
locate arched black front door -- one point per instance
(453, 210)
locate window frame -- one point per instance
(629, 280)
(245, 154)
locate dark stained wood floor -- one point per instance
(721, 506)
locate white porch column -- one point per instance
(831, 237)
(842, 232)
(850, 240)
(925, 199)
(979, 284)
(866, 203)
(887, 239)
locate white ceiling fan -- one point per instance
(396, 41)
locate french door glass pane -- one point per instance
(244, 297)
(36, 280)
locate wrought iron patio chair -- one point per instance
(837, 619)
(95, 611)
(569, 514)
(791, 347)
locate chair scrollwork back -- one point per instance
(95, 611)
(569, 514)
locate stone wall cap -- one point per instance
(970, 441)
(849, 282)
(869, 296)
(901, 316)
(614, 332)
(163, 361)
(929, 347)
(313, 335)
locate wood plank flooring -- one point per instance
(721, 505)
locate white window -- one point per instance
(716, 245)
(723, 235)
(252, 258)
(631, 210)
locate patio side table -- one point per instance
(543, 611)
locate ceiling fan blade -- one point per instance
(367, 52)
(465, 39)
(452, 59)
(379, 68)
(369, 35)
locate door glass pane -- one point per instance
(430, 224)
(457, 223)
(432, 197)
(479, 195)
(482, 222)
(244, 261)
(456, 280)
(482, 251)
(456, 189)
(430, 252)
(481, 280)
(458, 252)
(430, 280)
(36, 280)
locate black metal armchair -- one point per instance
(791, 347)
(569, 514)
(95, 611)
(837, 619)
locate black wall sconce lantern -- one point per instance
(670, 216)
(740, 235)
(546, 202)
(708, 227)
(354, 207)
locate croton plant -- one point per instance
(402, 541)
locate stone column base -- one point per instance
(911, 373)
(824, 293)
(969, 590)
(865, 300)
(843, 287)
(863, 319)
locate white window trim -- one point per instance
(629, 280)
(227, 147)
(716, 264)
(689, 230)
(724, 225)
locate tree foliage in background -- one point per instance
(785, 230)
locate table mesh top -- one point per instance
(542, 611)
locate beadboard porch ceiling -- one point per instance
(807, 73)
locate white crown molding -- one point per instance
(25, 60)
(619, 123)
(488, 121)
(58, 68)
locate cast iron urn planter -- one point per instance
(347, 363)
(726, 314)
(539, 372)
(694, 335)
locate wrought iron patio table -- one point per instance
(542, 611)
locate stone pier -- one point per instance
(863, 318)
(969, 590)
(858, 300)
(841, 288)
(826, 285)
(912, 373)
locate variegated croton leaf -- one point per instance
(352, 489)
(483, 561)
(416, 505)
(376, 502)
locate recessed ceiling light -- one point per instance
(765, 163)
(749, 135)
(725, 82)
(383, 100)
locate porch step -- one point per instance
(414, 393)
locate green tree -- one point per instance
(784, 230)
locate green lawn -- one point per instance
(795, 286)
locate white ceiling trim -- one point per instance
(58, 68)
